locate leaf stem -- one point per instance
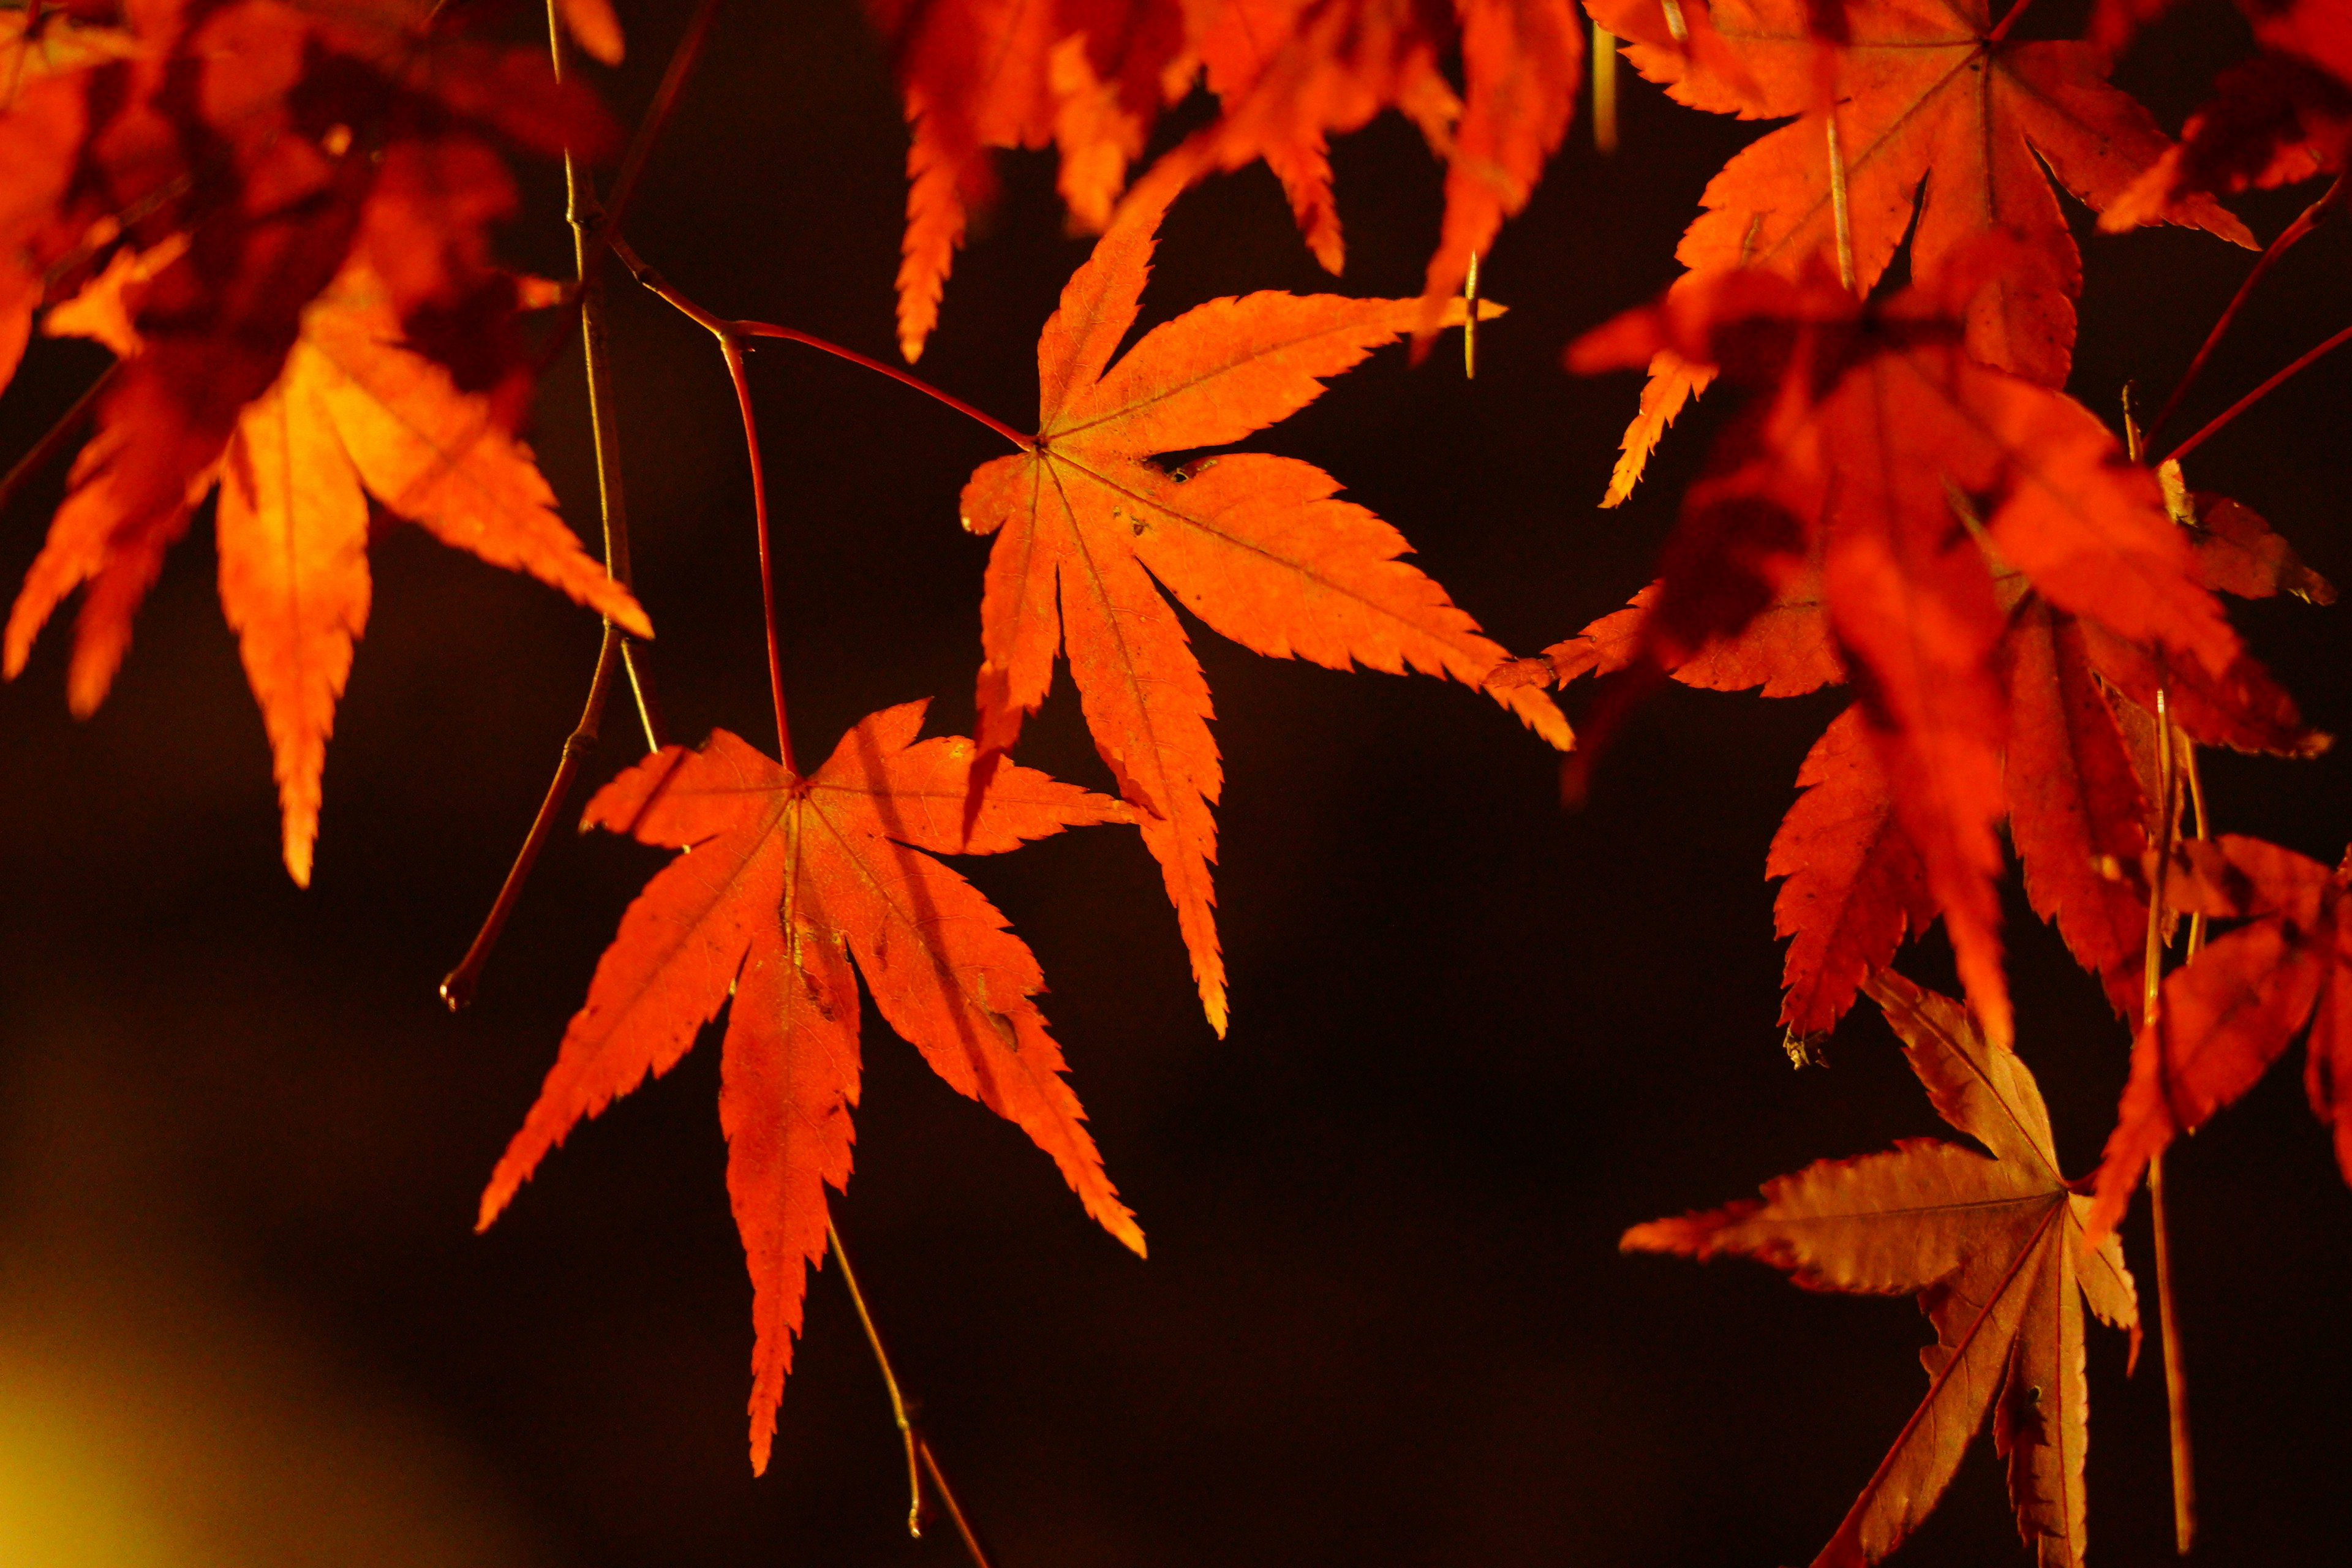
(459, 985)
(617, 650)
(2176, 1378)
(919, 1456)
(2318, 212)
(2001, 29)
(730, 335)
(722, 327)
(682, 61)
(791, 334)
(48, 447)
(731, 346)
(2214, 426)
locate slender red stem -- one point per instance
(792, 335)
(682, 61)
(2312, 218)
(2001, 29)
(2214, 426)
(50, 446)
(732, 347)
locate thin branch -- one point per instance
(2312, 218)
(1604, 90)
(682, 61)
(459, 985)
(792, 335)
(615, 652)
(722, 327)
(1470, 320)
(920, 1459)
(2176, 1378)
(2001, 29)
(732, 347)
(1840, 217)
(2214, 426)
(49, 447)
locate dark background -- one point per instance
(243, 1315)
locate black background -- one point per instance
(242, 1316)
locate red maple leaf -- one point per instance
(788, 880)
(2230, 1012)
(1091, 77)
(1088, 530)
(2284, 116)
(301, 300)
(1876, 420)
(1996, 1250)
(2078, 769)
(1935, 114)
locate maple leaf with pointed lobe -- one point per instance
(789, 879)
(1996, 1249)
(354, 411)
(1091, 78)
(292, 220)
(1874, 420)
(2078, 769)
(1933, 116)
(2284, 116)
(2227, 1013)
(1321, 67)
(1089, 530)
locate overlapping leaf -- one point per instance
(1089, 530)
(299, 286)
(1905, 108)
(1091, 77)
(1995, 1249)
(353, 412)
(788, 880)
(2282, 116)
(2226, 1015)
(1874, 422)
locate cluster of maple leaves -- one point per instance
(277, 217)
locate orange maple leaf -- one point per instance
(1877, 420)
(1258, 546)
(1934, 115)
(789, 879)
(2078, 768)
(2284, 115)
(2230, 1012)
(1091, 77)
(353, 413)
(1996, 1250)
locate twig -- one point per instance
(792, 335)
(2214, 424)
(1841, 218)
(2176, 1379)
(2001, 30)
(459, 985)
(589, 226)
(721, 328)
(46, 450)
(682, 61)
(1470, 321)
(920, 1460)
(731, 345)
(2318, 212)
(1604, 90)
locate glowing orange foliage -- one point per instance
(1089, 530)
(1933, 113)
(789, 879)
(1996, 1250)
(1091, 77)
